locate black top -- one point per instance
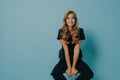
(81, 35)
(71, 45)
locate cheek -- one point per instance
(73, 20)
(67, 21)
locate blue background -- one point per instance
(28, 31)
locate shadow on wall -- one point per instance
(90, 51)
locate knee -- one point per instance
(53, 73)
(90, 74)
(57, 76)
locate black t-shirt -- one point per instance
(81, 35)
(71, 46)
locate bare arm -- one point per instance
(67, 57)
(76, 54)
(75, 58)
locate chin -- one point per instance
(71, 25)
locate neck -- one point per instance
(70, 28)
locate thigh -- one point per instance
(60, 67)
(83, 67)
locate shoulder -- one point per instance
(60, 31)
(81, 35)
(59, 34)
(80, 29)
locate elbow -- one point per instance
(65, 47)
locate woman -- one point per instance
(71, 36)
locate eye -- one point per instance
(72, 18)
(68, 17)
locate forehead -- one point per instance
(71, 15)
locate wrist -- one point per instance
(73, 66)
(69, 67)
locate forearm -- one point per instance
(67, 58)
(66, 53)
(76, 54)
(75, 57)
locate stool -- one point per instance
(71, 78)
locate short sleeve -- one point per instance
(59, 36)
(81, 34)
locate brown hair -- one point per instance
(75, 29)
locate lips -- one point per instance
(70, 23)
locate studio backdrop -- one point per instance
(28, 37)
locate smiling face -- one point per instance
(70, 20)
(70, 26)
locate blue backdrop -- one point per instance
(28, 31)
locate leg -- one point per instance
(58, 71)
(84, 70)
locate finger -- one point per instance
(73, 74)
(77, 71)
(67, 74)
(70, 74)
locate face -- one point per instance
(70, 21)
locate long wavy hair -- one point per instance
(74, 31)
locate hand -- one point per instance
(68, 71)
(74, 72)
